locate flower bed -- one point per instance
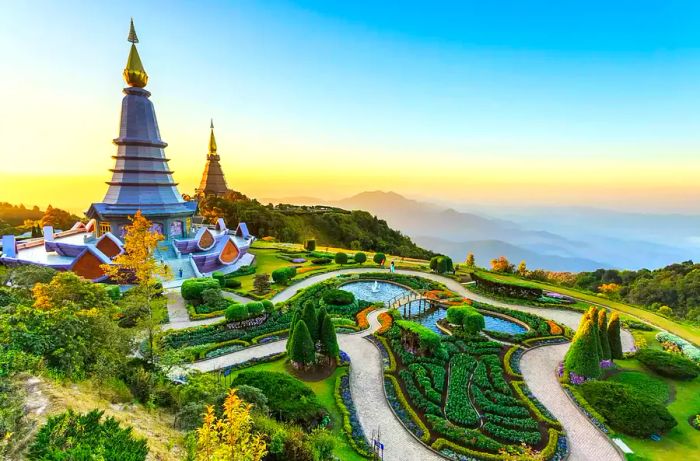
(386, 321)
(512, 361)
(351, 424)
(403, 410)
(362, 322)
(690, 351)
(554, 328)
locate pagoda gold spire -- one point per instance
(212, 139)
(134, 73)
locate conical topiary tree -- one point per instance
(582, 357)
(593, 315)
(614, 336)
(303, 352)
(322, 314)
(603, 334)
(295, 318)
(310, 317)
(329, 340)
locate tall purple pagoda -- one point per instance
(141, 179)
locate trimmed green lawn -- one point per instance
(644, 384)
(325, 392)
(689, 332)
(683, 441)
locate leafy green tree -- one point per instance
(614, 336)
(582, 357)
(322, 314)
(360, 258)
(329, 340)
(341, 258)
(603, 334)
(67, 288)
(379, 258)
(303, 350)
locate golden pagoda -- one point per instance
(213, 181)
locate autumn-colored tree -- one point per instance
(522, 269)
(470, 260)
(501, 264)
(58, 218)
(230, 438)
(609, 288)
(138, 265)
(67, 288)
(261, 283)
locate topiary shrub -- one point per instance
(337, 297)
(268, 305)
(379, 258)
(236, 312)
(614, 339)
(668, 364)
(192, 289)
(455, 314)
(341, 258)
(288, 398)
(232, 283)
(310, 245)
(219, 277)
(582, 358)
(626, 411)
(284, 274)
(473, 322)
(255, 308)
(75, 436)
(360, 258)
(321, 261)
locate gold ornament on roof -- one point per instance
(212, 139)
(134, 73)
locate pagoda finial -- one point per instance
(212, 139)
(133, 38)
(134, 73)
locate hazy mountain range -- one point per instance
(556, 238)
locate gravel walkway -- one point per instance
(585, 441)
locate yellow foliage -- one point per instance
(609, 288)
(137, 261)
(229, 438)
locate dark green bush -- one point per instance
(233, 283)
(310, 245)
(626, 411)
(287, 397)
(192, 289)
(268, 305)
(75, 436)
(255, 308)
(321, 261)
(379, 258)
(337, 297)
(341, 258)
(284, 274)
(668, 364)
(473, 322)
(237, 312)
(360, 258)
(455, 314)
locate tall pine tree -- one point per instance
(603, 334)
(295, 318)
(303, 351)
(593, 315)
(614, 336)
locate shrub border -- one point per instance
(347, 427)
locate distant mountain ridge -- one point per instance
(455, 233)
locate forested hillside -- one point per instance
(357, 230)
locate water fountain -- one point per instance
(375, 287)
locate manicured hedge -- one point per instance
(468, 437)
(284, 274)
(668, 364)
(351, 424)
(338, 297)
(458, 407)
(237, 312)
(627, 411)
(192, 289)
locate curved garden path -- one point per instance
(367, 384)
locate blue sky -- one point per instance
(501, 95)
